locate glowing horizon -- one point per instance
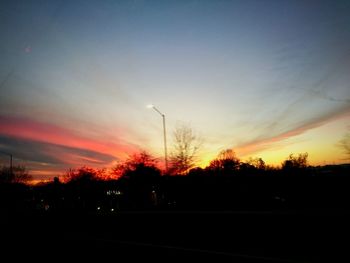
(106, 154)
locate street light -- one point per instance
(151, 106)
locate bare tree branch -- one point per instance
(344, 143)
(186, 147)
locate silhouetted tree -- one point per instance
(295, 162)
(137, 165)
(139, 176)
(82, 188)
(186, 146)
(344, 143)
(197, 171)
(225, 163)
(56, 180)
(18, 174)
(257, 163)
(83, 174)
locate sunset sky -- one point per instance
(265, 78)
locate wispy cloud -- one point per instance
(42, 132)
(48, 149)
(270, 141)
(43, 158)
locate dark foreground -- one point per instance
(264, 236)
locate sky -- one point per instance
(264, 78)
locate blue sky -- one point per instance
(255, 76)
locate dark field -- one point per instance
(262, 218)
(289, 236)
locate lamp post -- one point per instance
(164, 133)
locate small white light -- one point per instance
(112, 209)
(98, 208)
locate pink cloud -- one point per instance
(43, 132)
